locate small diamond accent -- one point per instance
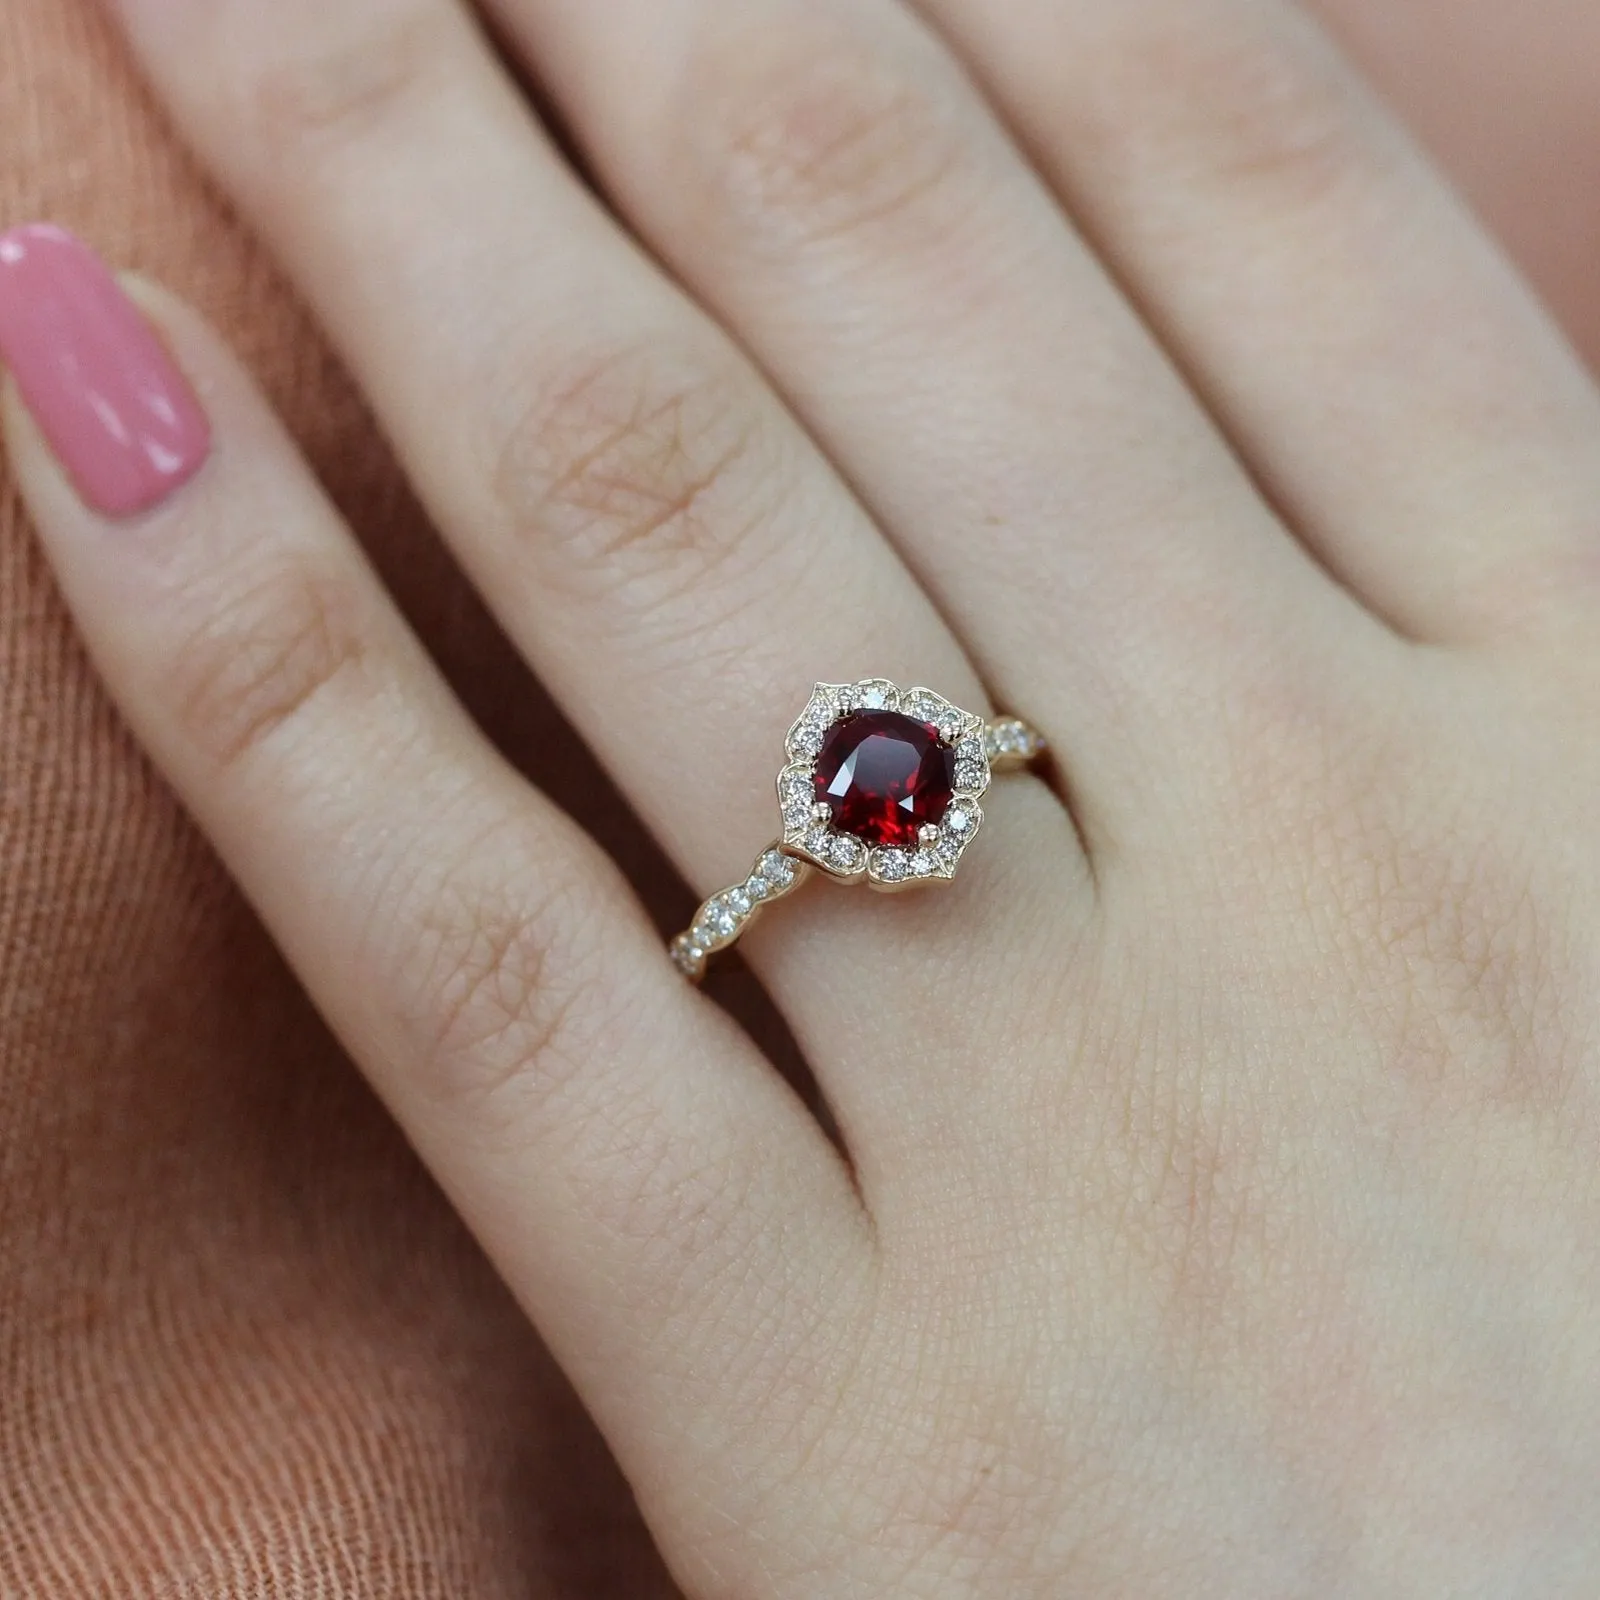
(971, 750)
(757, 888)
(958, 819)
(739, 901)
(718, 921)
(795, 798)
(873, 697)
(847, 852)
(924, 864)
(823, 706)
(688, 956)
(950, 846)
(891, 865)
(1013, 738)
(971, 775)
(777, 869)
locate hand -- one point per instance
(1218, 1207)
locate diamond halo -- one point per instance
(881, 786)
(812, 836)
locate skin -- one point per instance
(1215, 1206)
(1505, 95)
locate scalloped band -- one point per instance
(813, 844)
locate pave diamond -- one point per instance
(714, 926)
(795, 797)
(1015, 739)
(689, 957)
(890, 865)
(778, 870)
(972, 776)
(847, 853)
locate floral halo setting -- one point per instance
(882, 786)
(928, 847)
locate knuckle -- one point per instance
(497, 985)
(255, 664)
(815, 133)
(514, 1033)
(635, 465)
(353, 78)
(1454, 949)
(1467, 960)
(513, 1030)
(1248, 108)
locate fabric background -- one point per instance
(245, 1350)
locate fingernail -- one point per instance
(119, 415)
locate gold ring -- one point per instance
(882, 786)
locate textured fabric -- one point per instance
(245, 1351)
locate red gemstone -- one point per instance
(884, 776)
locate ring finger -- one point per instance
(671, 553)
(825, 175)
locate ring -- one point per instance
(882, 786)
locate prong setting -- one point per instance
(882, 786)
(809, 832)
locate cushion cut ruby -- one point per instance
(883, 776)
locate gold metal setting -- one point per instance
(810, 845)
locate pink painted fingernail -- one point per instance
(119, 415)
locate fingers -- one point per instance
(667, 547)
(826, 179)
(1382, 368)
(625, 490)
(630, 1163)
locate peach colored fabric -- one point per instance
(244, 1348)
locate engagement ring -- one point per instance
(883, 786)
